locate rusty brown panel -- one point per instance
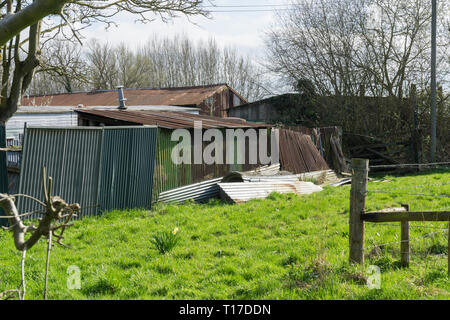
(298, 153)
(171, 120)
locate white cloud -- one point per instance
(243, 30)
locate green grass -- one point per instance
(284, 247)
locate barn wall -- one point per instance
(219, 104)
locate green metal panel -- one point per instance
(127, 168)
(168, 175)
(100, 168)
(70, 156)
(3, 169)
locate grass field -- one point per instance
(284, 247)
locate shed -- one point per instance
(169, 175)
(65, 116)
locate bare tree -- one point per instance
(21, 57)
(54, 210)
(102, 65)
(62, 69)
(344, 46)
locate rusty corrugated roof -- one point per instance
(170, 120)
(185, 96)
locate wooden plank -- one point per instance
(358, 192)
(406, 216)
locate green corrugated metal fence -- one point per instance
(102, 168)
(167, 174)
(3, 169)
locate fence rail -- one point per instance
(358, 217)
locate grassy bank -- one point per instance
(284, 247)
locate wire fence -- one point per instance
(436, 230)
(405, 219)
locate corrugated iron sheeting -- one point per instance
(127, 168)
(168, 175)
(182, 96)
(241, 192)
(199, 192)
(274, 179)
(205, 190)
(100, 168)
(298, 153)
(265, 170)
(326, 175)
(72, 158)
(170, 120)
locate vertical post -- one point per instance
(360, 168)
(448, 252)
(415, 136)
(404, 245)
(433, 81)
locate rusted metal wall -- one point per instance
(169, 176)
(298, 154)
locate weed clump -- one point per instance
(165, 241)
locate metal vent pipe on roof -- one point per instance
(122, 100)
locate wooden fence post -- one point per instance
(360, 168)
(404, 245)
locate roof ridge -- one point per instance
(125, 89)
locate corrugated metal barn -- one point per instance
(168, 175)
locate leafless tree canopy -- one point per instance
(162, 62)
(40, 18)
(344, 47)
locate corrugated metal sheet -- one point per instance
(168, 175)
(66, 109)
(127, 168)
(326, 176)
(168, 120)
(274, 179)
(205, 190)
(168, 96)
(199, 192)
(241, 192)
(3, 169)
(100, 168)
(265, 170)
(298, 154)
